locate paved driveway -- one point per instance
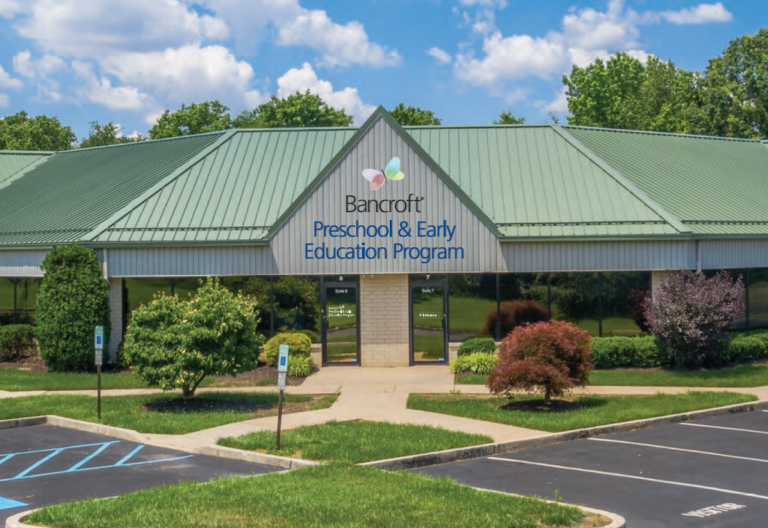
(704, 474)
(43, 465)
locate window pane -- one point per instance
(257, 288)
(185, 287)
(523, 300)
(741, 322)
(6, 301)
(574, 299)
(623, 294)
(297, 304)
(471, 302)
(140, 292)
(758, 298)
(26, 297)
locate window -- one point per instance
(622, 303)
(471, 304)
(574, 298)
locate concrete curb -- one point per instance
(464, 453)
(17, 521)
(617, 521)
(139, 438)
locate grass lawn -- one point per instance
(12, 379)
(130, 411)
(355, 441)
(328, 495)
(595, 410)
(741, 376)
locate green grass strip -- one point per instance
(355, 441)
(125, 411)
(596, 410)
(743, 376)
(321, 496)
(12, 379)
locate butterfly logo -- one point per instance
(392, 172)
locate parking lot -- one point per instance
(44, 465)
(709, 473)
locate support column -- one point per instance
(657, 277)
(384, 322)
(116, 308)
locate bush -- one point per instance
(477, 363)
(73, 299)
(746, 348)
(474, 345)
(639, 352)
(549, 356)
(691, 315)
(16, 341)
(298, 345)
(313, 336)
(514, 314)
(299, 366)
(175, 343)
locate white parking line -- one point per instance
(726, 428)
(678, 449)
(633, 477)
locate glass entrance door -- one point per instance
(429, 321)
(341, 328)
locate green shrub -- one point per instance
(16, 341)
(746, 348)
(639, 352)
(298, 345)
(474, 345)
(477, 363)
(299, 366)
(311, 334)
(73, 299)
(175, 343)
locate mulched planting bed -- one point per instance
(542, 406)
(201, 404)
(261, 376)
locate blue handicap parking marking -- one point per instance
(7, 504)
(37, 468)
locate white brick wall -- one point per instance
(384, 325)
(116, 306)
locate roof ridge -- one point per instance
(655, 133)
(181, 169)
(622, 180)
(144, 141)
(29, 152)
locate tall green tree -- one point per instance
(107, 134)
(296, 110)
(414, 116)
(627, 94)
(21, 132)
(508, 118)
(197, 118)
(734, 90)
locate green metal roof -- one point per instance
(532, 182)
(524, 182)
(14, 163)
(234, 193)
(63, 199)
(713, 185)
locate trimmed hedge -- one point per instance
(644, 352)
(298, 345)
(16, 341)
(477, 345)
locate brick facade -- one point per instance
(384, 324)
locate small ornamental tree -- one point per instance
(690, 315)
(176, 343)
(551, 356)
(73, 300)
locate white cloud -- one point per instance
(501, 4)
(700, 14)
(440, 56)
(301, 80)
(558, 105)
(27, 66)
(87, 28)
(9, 8)
(590, 29)
(512, 57)
(4, 101)
(6, 81)
(99, 90)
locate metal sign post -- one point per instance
(282, 370)
(98, 346)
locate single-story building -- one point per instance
(389, 244)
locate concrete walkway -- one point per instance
(375, 394)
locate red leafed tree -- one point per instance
(551, 356)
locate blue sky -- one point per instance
(127, 60)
